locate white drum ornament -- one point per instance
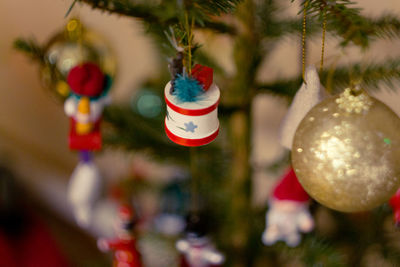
(192, 123)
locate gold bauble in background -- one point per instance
(346, 152)
(72, 46)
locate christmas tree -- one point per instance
(222, 171)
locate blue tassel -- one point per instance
(187, 89)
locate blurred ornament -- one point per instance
(124, 247)
(192, 110)
(310, 93)
(70, 47)
(157, 250)
(169, 224)
(86, 79)
(89, 96)
(174, 203)
(395, 204)
(196, 248)
(288, 213)
(147, 103)
(345, 152)
(84, 189)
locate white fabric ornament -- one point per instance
(83, 191)
(310, 93)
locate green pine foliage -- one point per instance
(31, 48)
(223, 168)
(345, 20)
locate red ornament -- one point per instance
(289, 188)
(204, 75)
(395, 203)
(90, 141)
(35, 246)
(125, 253)
(86, 80)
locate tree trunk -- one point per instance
(247, 59)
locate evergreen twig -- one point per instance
(372, 75)
(31, 48)
(345, 20)
(156, 15)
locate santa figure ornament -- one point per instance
(124, 246)
(196, 248)
(288, 213)
(395, 204)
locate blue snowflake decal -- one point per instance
(190, 127)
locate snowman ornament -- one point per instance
(196, 249)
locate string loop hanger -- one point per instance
(324, 21)
(303, 40)
(304, 32)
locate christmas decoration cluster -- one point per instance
(344, 147)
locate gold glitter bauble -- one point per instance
(72, 46)
(346, 152)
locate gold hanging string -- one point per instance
(70, 8)
(190, 46)
(189, 33)
(303, 41)
(321, 67)
(75, 30)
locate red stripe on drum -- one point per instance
(191, 112)
(191, 142)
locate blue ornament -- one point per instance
(187, 89)
(146, 103)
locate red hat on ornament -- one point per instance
(86, 79)
(126, 213)
(289, 188)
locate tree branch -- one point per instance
(371, 74)
(151, 14)
(31, 48)
(345, 20)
